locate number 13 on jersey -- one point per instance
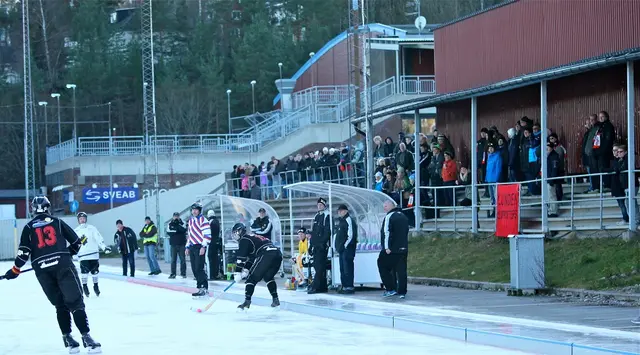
(46, 236)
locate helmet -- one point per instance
(40, 204)
(210, 213)
(238, 231)
(197, 206)
(81, 214)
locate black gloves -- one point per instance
(12, 273)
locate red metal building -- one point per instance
(527, 36)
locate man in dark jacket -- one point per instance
(392, 261)
(320, 248)
(603, 148)
(214, 254)
(262, 225)
(345, 245)
(553, 171)
(178, 239)
(127, 242)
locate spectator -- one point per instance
(149, 235)
(177, 239)
(619, 181)
(529, 161)
(404, 158)
(587, 148)
(379, 183)
(262, 225)
(378, 148)
(388, 187)
(494, 169)
(562, 154)
(445, 145)
(553, 164)
(602, 149)
(449, 177)
(481, 149)
(435, 174)
(501, 147)
(319, 247)
(389, 147)
(255, 190)
(127, 242)
(346, 238)
(514, 155)
(392, 260)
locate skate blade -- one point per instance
(75, 350)
(97, 350)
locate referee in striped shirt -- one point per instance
(199, 236)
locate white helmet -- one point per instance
(210, 213)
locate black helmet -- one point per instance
(81, 214)
(197, 206)
(238, 230)
(40, 204)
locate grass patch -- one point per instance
(595, 264)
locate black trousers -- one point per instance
(393, 271)
(61, 285)
(347, 257)
(178, 251)
(265, 267)
(214, 254)
(197, 266)
(132, 263)
(319, 282)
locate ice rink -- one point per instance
(132, 319)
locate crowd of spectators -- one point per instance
(515, 157)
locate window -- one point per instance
(235, 32)
(236, 15)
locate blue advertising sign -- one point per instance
(99, 196)
(74, 206)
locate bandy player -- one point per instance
(44, 240)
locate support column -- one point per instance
(474, 166)
(416, 196)
(631, 145)
(285, 87)
(543, 153)
(398, 87)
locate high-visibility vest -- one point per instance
(153, 239)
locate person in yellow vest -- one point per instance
(301, 259)
(149, 235)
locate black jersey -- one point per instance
(251, 247)
(44, 239)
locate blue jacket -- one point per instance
(494, 167)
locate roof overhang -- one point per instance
(394, 43)
(603, 61)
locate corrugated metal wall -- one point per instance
(570, 101)
(531, 35)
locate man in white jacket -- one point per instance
(92, 243)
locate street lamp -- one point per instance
(75, 122)
(281, 103)
(253, 94)
(229, 108)
(111, 184)
(57, 97)
(46, 131)
(311, 56)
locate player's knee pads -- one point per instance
(269, 281)
(75, 305)
(61, 308)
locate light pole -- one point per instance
(253, 94)
(46, 131)
(75, 122)
(229, 108)
(312, 70)
(281, 103)
(57, 97)
(110, 159)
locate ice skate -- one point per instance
(85, 288)
(92, 346)
(275, 303)
(172, 276)
(245, 305)
(389, 293)
(202, 293)
(71, 344)
(636, 321)
(96, 289)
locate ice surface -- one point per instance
(136, 319)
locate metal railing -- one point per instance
(417, 84)
(136, 145)
(321, 95)
(331, 105)
(575, 210)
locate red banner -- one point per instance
(508, 210)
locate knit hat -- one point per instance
(322, 201)
(343, 208)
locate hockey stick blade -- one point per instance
(30, 269)
(206, 308)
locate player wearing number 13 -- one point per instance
(44, 239)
